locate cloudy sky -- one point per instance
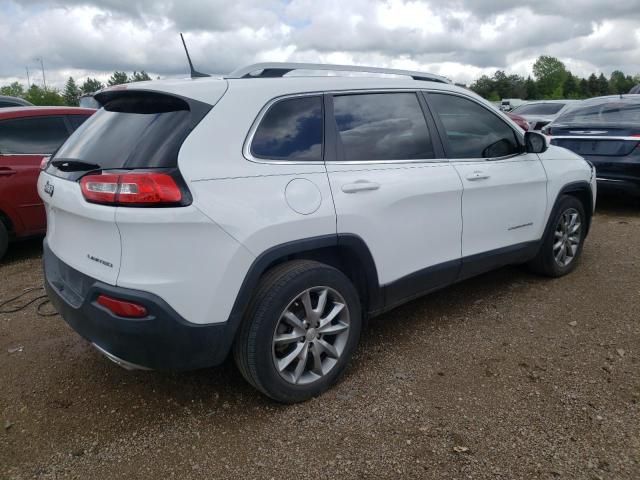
(461, 39)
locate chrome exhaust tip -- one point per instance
(119, 361)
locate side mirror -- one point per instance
(535, 142)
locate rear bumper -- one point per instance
(163, 340)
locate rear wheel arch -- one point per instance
(345, 252)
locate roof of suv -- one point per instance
(18, 112)
(207, 89)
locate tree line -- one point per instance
(552, 80)
(72, 91)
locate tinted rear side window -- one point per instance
(134, 130)
(34, 135)
(472, 130)
(290, 130)
(382, 126)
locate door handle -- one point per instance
(477, 175)
(6, 171)
(360, 186)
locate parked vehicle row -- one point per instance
(26, 135)
(269, 216)
(606, 132)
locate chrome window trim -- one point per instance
(246, 148)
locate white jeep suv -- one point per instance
(270, 215)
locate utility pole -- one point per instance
(28, 80)
(44, 80)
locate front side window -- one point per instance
(34, 135)
(472, 130)
(382, 126)
(290, 130)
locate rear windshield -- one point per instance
(539, 109)
(134, 130)
(612, 111)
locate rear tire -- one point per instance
(564, 238)
(4, 239)
(300, 331)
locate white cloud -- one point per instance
(461, 39)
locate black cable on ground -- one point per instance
(4, 308)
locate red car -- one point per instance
(520, 121)
(26, 135)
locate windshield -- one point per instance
(609, 111)
(539, 109)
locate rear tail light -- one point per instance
(132, 189)
(44, 162)
(122, 308)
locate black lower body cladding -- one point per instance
(163, 340)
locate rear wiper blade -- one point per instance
(74, 165)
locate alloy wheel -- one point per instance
(311, 335)
(566, 239)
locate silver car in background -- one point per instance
(539, 113)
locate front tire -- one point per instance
(564, 238)
(301, 329)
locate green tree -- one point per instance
(117, 78)
(44, 97)
(13, 90)
(484, 86)
(594, 88)
(531, 89)
(550, 74)
(571, 87)
(583, 88)
(619, 83)
(603, 85)
(140, 76)
(90, 85)
(71, 93)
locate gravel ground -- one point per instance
(504, 376)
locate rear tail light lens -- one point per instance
(132, 189)
(44, 162)
(122, 308)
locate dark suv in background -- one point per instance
(606, 132)
(27, 134)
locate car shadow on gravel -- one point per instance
(22, 250)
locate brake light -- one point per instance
(122, 308)
(131, 189)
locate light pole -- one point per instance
(44, 80)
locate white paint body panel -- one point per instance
(505, 208)
(77, 230)
(183, 257)
(411, 222)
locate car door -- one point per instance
(393, 188)
(504, 199)
(23, 143)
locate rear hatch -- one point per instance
(124, 156)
